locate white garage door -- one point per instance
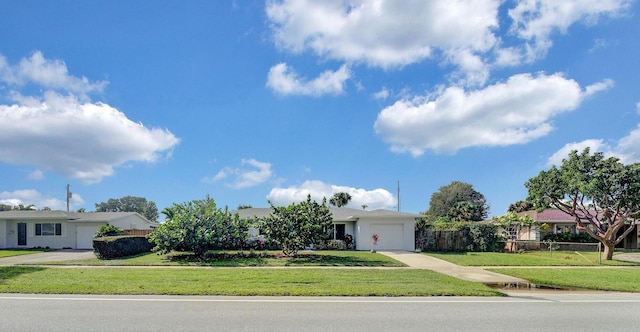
(390, 236)
(85, 236)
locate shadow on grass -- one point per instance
(270, 259)
(331, 260)
(222, 259)
(10, 272)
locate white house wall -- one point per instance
(4, 235)
(130, 222)
(66, 240)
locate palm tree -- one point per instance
(340, 199)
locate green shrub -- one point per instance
(348, 241)
(120, 246)
(336, 245)
(108, 230)
(199, 226)
(483, 237)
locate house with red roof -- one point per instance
(560, 222)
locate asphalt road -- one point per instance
(526, 311)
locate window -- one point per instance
(338, 231)
(49, 229)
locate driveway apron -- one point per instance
(47, 257)
(421, 261)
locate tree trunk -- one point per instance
(608, 250)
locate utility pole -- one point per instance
(69, 194)
(398, 195)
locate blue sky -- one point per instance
(250, 101)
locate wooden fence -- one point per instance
(443, 240)
(138, 231)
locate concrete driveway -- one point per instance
(46, 257)
(628, 256)
(475, 274)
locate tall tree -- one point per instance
(130, 204)
(340, 199)
(199, 226)
(458, 201)
(298, 225)
(520, 206)
(601, 194)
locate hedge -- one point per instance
(111, 247)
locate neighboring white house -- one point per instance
(396, 230)
(59, 229)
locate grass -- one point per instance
(532, 258)
(236, 282)
(610, 279)
(18, 252)
(315, 258)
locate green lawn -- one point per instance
(611, 279)
(18, 252)
(532, 258)
(315, 258)
(236, 281)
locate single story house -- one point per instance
(59, 229)
(560, 222)
(396, 230)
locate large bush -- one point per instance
(108, 230)
(199, 226)
(120, 246)
(456, 236)
(483, 237)
(298, 225)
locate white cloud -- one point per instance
(285, 81)
(597, 87)
(374, 199)
(513, 112)
(595, 145)
(473, 71)
(391, 34)
(536, 20)
(36, 175)
(50, 74)
(28, 197)
(250, 173)
(598, 44)
(68, 134)
(382, 94)
(627, 149)
(385, 34)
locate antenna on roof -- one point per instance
(398, 195)
(69, 195)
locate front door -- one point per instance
(22, 234)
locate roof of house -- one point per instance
(548, 215)
(338, 214)
(68, 216)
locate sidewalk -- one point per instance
(420, 261)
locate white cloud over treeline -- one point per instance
(373, 199)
